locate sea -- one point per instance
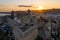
(4, 14)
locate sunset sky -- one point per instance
(8, 5)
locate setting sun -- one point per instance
(40, 7)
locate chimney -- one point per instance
(12, 14)
(28, 12)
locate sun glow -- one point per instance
(40, 7)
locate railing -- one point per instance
(29, 31)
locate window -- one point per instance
(32, 24)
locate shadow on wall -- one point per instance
(38, 38)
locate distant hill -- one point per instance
(48, 11)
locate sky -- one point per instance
(8, 5)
